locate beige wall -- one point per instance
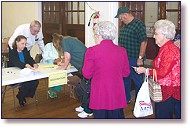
(17, 13)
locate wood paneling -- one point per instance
(58, 17)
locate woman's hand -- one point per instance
(28, 66)
(35, 66)
(140, 70)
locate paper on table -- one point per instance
(26, 71)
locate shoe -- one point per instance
(84, 114)
(54, 94)
(51, 94)
(24, 101)
(79, 109)
(20, 101)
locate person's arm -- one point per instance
(126, 68)
(41, 45)
(41, 41)
(141, 53)
(88, 66)
(45, 53)
(28, 59)
(14, 59)
(64, 65)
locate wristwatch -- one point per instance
(140, 57)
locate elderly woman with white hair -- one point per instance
(167, 66)
(106, 64)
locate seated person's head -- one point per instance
(20, 43)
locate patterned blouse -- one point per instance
(167, 65)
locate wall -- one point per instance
(108, 10)
(16, 13)
(151, 16)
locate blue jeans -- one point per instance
(168, 109)
(137, 78)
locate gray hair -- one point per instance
(166, 27)
(35, 23)
(106, 29)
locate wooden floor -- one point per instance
(60, 108)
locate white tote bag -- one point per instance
(143, 105)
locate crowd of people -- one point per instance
(107, 65)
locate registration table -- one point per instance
(13, 76)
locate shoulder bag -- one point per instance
(82, 91)
(154, 88)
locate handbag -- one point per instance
(154, 88)
(143, 105)
(82, 91)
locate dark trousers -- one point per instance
(171, 108)
(137, 78)
(109, 114)
(28, 89)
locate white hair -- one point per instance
(166, 27)
(106, 29)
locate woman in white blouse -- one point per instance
(53, 54)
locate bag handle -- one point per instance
(154, 75)
(146, 75)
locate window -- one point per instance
(75, 12)
(170, 11)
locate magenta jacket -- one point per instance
(107, 64)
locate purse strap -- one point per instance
(146, 75)
(154, 75)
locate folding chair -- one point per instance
(14, 97)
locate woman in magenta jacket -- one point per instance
(106, 64)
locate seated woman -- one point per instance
(20, 57)
(53, 54)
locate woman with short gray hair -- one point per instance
(106, 64)
(167, 28)
(106, 29)
(167, 66)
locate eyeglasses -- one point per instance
(120, 17)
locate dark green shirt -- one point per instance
(131, 36)
(76, 49)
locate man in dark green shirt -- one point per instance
(134, 39)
